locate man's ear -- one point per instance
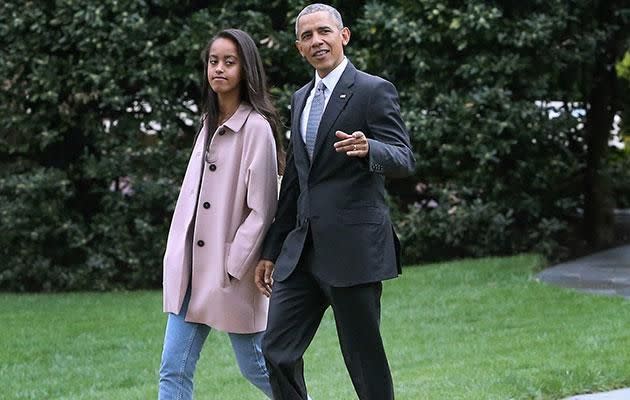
(297, 46)
(345, 35)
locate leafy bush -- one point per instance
(452, 226)
(99, 111)
(41, 239)
(502, 164)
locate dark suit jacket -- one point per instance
(341, 199)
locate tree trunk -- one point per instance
(598, 195)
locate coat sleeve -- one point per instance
(390, 151)
(262, 195)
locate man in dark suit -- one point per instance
(332, 241)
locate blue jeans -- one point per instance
(182, 345)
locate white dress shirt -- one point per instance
(330, 81)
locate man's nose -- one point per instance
(317, 40)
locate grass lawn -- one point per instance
(475, 329)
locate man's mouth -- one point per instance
(320, 53)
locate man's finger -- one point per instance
(259, 284)
(268, 272)
(260, 273)
(342, 135)
(343, 145)
(358, 135)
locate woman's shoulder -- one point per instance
(257, 124)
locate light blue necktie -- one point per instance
(317, 109)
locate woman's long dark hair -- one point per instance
(253, 87)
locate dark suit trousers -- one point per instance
(296, 308)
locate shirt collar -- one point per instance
(330, 80)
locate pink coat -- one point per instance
(224, 209)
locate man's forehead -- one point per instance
(316, 20)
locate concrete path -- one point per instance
(605, 273)
(621, 394)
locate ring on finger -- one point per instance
(355, 147)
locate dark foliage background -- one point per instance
(98, 111)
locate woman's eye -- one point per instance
(213, 62)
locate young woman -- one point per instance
(226, 203)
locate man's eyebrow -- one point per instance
(316, 28)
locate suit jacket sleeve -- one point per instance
(286, 214)
(390, 151)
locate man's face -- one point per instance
(321, 42)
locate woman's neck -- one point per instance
(227, 107)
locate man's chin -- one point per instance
(322, 67)
(317, 64)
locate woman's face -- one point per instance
(224, 67)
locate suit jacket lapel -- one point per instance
(296, 131)
(338, 100)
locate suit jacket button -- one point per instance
(221, 131)
(206, 205)
(212, 167)
(200, 243)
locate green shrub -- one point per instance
(96, 95)
(451, 225)
(41, 245)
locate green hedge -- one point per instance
(96, 95)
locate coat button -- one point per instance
(206, 205)
(221, 132)
(200, 243)
(212, 167)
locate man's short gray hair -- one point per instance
(313, 8)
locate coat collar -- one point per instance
(237, 120)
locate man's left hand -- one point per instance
(262, 277)
(355, 145)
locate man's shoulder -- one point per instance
(304, 88)
(363, 77)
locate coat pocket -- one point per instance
(361, 215)
(226, 257)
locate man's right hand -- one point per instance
(262, 276)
